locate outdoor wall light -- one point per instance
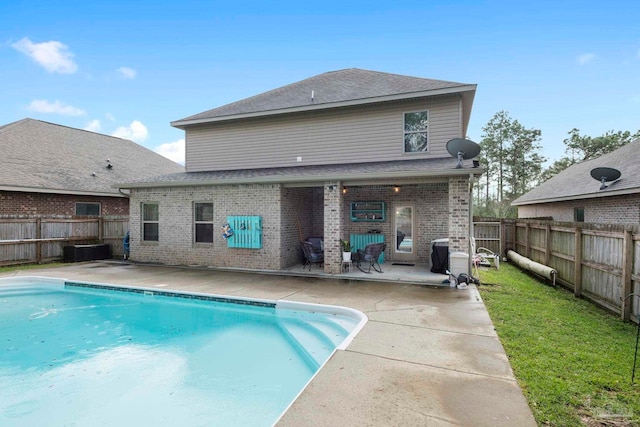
(396, 189)
(344, 190)
(331, 187)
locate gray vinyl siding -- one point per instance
(362, 134)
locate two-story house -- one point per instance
(350, 154)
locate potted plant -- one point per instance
(346, 250)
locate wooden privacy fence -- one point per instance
(600, 262)
(37, 240)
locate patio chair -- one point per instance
(370, 255)
(311, 255)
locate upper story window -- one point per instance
(203, 221)
(416, 125)
(150, 222)
(88, 208)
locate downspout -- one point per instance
(470, 266)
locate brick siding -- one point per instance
(605, 210)
(44, 204)
(291, 214)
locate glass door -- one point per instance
(404, 249)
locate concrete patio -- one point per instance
(429, 356)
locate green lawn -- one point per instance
(572, 359)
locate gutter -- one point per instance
(60, 191)
(349, 179)
(625, 192)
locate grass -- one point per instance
(572, 359)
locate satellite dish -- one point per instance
(462, 149)
(605, 175)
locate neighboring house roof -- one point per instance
(402, 171)
(576, 182)
(45, 157)
(334, 89)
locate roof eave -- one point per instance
(58, 191)
(624, 192)
(351, 178)
(181, 124)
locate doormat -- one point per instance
(408, 264)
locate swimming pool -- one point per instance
(95, 354)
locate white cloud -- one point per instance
(172, 150)
(54, 56)
(110, 117)
(586, 57)
(127, 73)
(57, 107)
(136, 131)
(93, 126)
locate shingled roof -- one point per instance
(39, 156)
(576, 182)
(328, 90)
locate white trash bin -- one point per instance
(458, 263)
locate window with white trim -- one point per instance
(416, 125)
(203, 222)
(150, 222)
(86, 209)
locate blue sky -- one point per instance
(128, 68)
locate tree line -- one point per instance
(514, 165)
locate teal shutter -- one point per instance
(247, 232)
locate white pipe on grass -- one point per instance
(527, 264)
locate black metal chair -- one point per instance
(370, 255)
(311, 255)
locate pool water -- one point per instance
(85, 355)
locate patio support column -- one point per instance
(459, 211)
(332, 227)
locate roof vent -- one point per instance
(462, 149)
(313, 92)
(605, 175)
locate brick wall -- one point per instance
(333, 214)
(44, 204)
(459, 205)
(289, 213)
(606, 210)
(176, 242)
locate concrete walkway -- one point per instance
(427, 357)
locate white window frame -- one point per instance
(425, 131)
(196, 222)
(144, 221)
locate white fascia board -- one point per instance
(58, 191)
(351, 178)
(625, 192)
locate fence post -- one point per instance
(577, 262)
(527, 236)
(627, 270)
(38, 242)
(100, 230)
(547, 244)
